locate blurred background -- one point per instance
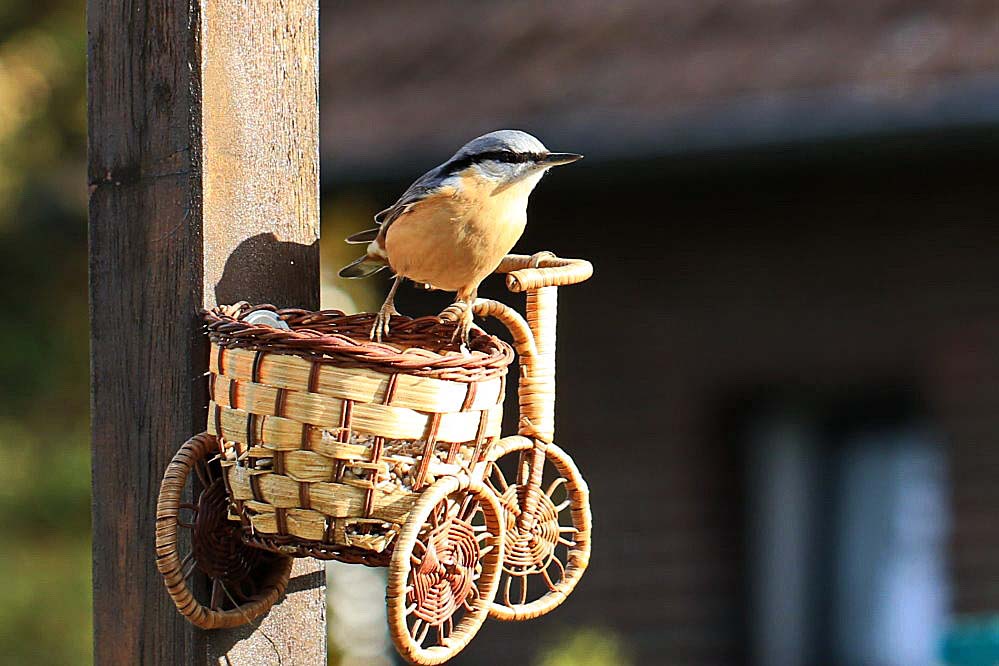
(782, 385)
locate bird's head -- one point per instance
(507, 157)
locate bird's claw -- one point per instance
(460, 312)
(380, 327)
(463, 332)
(454, 312)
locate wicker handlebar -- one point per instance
(529, 272)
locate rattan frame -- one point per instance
(409, 563)
(571, 535)
(175, 569)
(336, 447)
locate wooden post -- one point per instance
(203, 173)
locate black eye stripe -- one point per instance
(507, 156)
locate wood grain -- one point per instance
(261, 151)
(192, 201)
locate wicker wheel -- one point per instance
(244, 582)
(545, 553)
(444, 571)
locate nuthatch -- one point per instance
(454, 225)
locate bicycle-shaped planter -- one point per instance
(323, 444)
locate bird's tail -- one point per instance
(362, 237)
(362, 267)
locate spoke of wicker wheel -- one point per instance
(192, 565)
(548, 580)
(431, 561)
(217, 594)
(555, 485)
(417, 560)
(496, 474)
(441, 633)
(419, 630)
(473, 594)
(193, 509)
(569, 543)
(521, 583)
(187, 559)
(468, 508)
(558, 564)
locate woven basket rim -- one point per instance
(420, 346)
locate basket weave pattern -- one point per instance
(325, 454)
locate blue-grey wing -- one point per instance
(424, 186)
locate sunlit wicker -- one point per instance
(325, 444)
(326, 455)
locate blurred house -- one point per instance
(783, 382)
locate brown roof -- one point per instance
(403, 83)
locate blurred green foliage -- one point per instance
(45, 475)
(586, 646)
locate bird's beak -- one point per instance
(558, 159)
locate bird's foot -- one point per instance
(454, 312)
(380, 327)
(460, 312)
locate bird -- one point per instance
(456, 222)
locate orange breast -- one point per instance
(454, 242)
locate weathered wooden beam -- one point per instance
(203, 174)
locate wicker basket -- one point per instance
(327, 438)
(321, 443)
